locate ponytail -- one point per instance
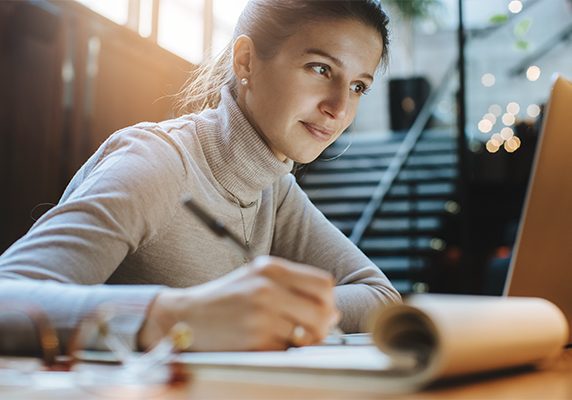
(202, 88)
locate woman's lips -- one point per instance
(319, 133)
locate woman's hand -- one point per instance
(256, 307)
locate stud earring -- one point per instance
(244, 81)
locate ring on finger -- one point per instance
(297, 335)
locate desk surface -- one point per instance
(554, 382)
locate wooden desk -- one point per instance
(554, 382)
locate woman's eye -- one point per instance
(321, 69)
(359, 88)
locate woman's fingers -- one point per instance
(301, 310)
(308, 281)
(268, 306)
(303, 294)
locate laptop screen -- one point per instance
(541, 265)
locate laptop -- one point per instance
(541, 265)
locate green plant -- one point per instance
(520, 30)
(413, 9)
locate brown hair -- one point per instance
(268, 23)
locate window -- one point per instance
(181, 28)
(226, 13)
(188, 28)
(115, 10)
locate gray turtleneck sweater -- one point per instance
(120, 221)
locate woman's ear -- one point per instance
(242, 56)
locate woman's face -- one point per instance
(304, 97)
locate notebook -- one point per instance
(541, 265)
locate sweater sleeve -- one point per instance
(303, 234)
(114, 204)
(65, 306)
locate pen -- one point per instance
(218, 228)
(338, 334)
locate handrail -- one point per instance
(409, 142)
(400, 157)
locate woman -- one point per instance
(286, 88)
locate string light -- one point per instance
(491, 147)
(485, 126)
(488, 80)
(497, 139)
(508, 119)
(533, 110)
(515, 6)
(533, 73)
(496, 110)
(512, 144)
(490, 117)
(513, 108)
(506, 133)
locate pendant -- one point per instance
(246, 260)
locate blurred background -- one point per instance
(433, 182)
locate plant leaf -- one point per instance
(498, 19)
(522, 27)
(414, 8)
(521, 44)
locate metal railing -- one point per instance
(403, 153)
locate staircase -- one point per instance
(407, 231)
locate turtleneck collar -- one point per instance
(239, 158)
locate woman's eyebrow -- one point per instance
(335, 60)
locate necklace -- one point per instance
(248, 237)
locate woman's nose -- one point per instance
(335, 104)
